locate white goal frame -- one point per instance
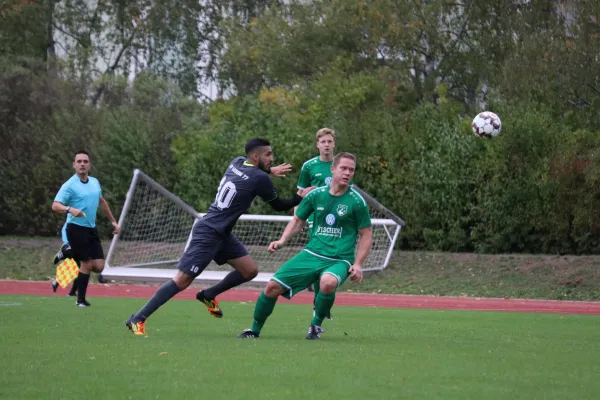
(148, 270)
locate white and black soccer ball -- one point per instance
(486, 125)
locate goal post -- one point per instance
(156, 227)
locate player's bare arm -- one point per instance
(106, 210)
(362, 252)
(291, 230)
(60, 208)
(279, 171)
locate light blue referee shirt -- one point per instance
(84, 196)
(63, 232)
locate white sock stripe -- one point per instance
(335, 276)
(284, 285)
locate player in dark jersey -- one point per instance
(244, 179)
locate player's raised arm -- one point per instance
(279, 171)
(280, 204)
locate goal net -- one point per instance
(156, 227)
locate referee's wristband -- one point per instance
(67, 209)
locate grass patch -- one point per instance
(479, 275)
(48, 343)
(426, 273)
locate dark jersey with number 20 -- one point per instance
(239, 187)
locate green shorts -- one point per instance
(306, 267)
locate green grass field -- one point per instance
(52, 350)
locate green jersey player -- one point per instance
(340, 215)
(317, 172)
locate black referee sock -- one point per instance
(233, 279)
(161, 296)
(73, 290)
(82, 284)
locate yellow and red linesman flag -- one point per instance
(66, 271)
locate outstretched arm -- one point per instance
(279, 204)
(291, 230)
(279, 171)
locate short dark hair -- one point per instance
(82, 152)
(344, 154)
(253, 144)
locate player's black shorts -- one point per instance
(206, 245)
(84, 242)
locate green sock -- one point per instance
(323, 304)
(264, 308)
(316, 289)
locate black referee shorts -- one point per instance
(84, 242)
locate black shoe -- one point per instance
(72, 294)
(60, 256)
(314, 332)
(212, 305)
(82, 303)
(54, 284)
(248, 334)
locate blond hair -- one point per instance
(325, 131)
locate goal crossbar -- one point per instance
(156, 227)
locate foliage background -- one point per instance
(175, 89)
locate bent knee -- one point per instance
(183, 280)
(329, 284)
(250, 273)
(273, 289)
(98, 267)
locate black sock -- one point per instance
(233, 279)
(162, 295)
(73, 288)
(82, 284)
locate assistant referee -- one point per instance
(80, 197)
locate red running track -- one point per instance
(345, 299)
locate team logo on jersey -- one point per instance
(330, 219)
(342, 209)
(328, 180)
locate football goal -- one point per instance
(156, 227)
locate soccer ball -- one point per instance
(486, 125)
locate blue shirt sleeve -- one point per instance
(64, 194)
